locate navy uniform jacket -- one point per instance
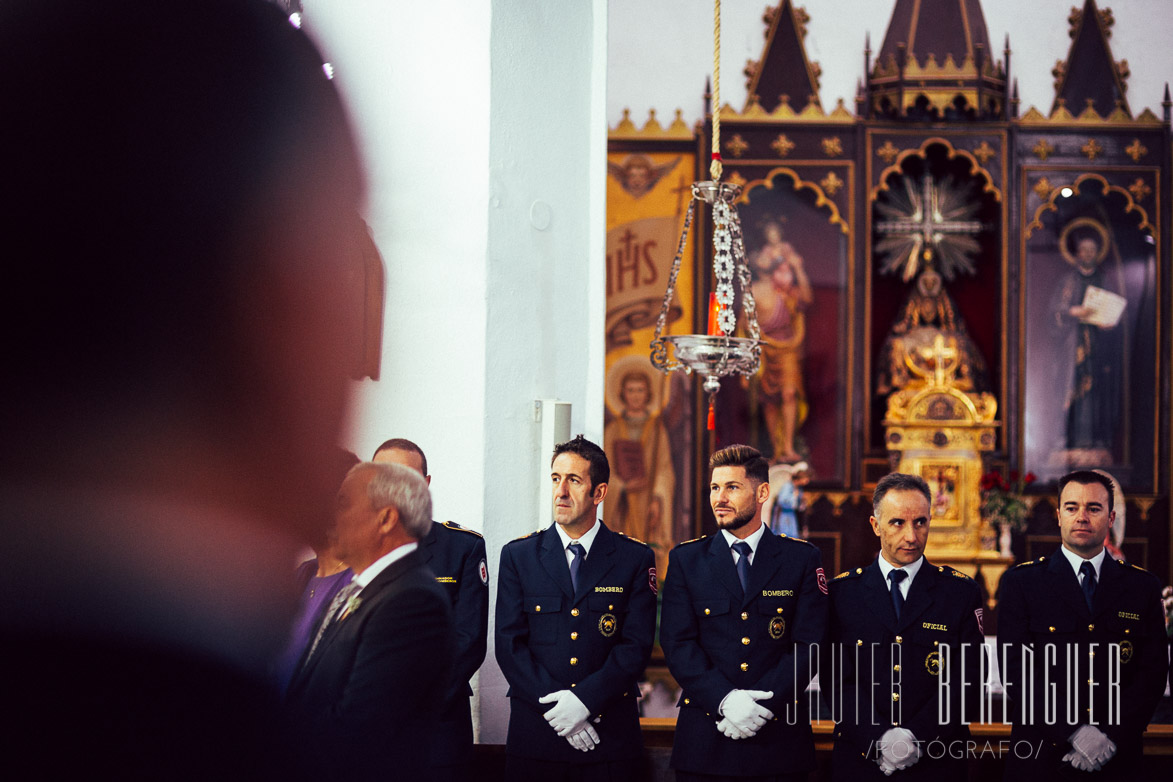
(716, 640)
(367, 696)
(594, 641)
(876, 672)
(1041, 603)
(457, 556)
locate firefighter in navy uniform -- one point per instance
(742, 613)
(1098, 613)
(457, 556)
(886, 651)
(575, 624)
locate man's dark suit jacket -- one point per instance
(876, 672)
(717, 639)
(457, 556)
(594, 641)
(1041, 603)
(370, 694)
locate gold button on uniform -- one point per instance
(707, 612)
(779, 610)
(574, 636)
(745, 666)
(686, 701)
(895, 696)
(899, 639)
(1050, 629)
(745, 641)
(859, 642)
(744, 616)
(1090, 628)
(896, 668)
(574, 612)
(574, 661)
(537, 608)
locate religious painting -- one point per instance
(943, 479)
(936, 270)
(650, 418)
(794, 408)
(1090, 355)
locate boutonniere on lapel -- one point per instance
(351, 605)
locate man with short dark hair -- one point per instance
(743, 611)
(1089, 631)
(898, 629)
(457, 556)
(576, 619)
(371, 685)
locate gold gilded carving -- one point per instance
(1136, 150)
(1043, 149)
(832, 147)
(736, 178)
(626, 129)
(831, 183)
(1092, 149)
(1043, 188)
(782, 145)
(888, 152)
(1140, 189)
(984, 152)
(736, 145)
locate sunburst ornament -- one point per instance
(933, 224)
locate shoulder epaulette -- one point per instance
(1131, 565)
(694, 540)
(633, 540)
(458, 528)
(1038, 561)
(849, 573)
(796, 540)
(529, 535)
(954, 571)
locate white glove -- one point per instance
(1079, 761)
(585, 740)
(1093, 744)
(898, 746)
(741, 709)
(726, 727)
(886, 767)
(569, 715)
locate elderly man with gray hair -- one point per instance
(373, 678)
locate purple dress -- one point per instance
(315, 598)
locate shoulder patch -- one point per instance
(957, 573)
(458, 528)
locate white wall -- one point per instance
(661, 51)
(484, 130)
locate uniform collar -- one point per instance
(887, 567)
(1077, 561)
(753, 540)
(587, 539)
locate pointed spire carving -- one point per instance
(784, 67)
(1090, 76)
(937, 63)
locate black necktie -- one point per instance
(1089, 582)
(896, 576)
(743, 551)
(579, 555)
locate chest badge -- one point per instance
(933, 664)
(1125, 651)
(608, 625)
(777, 627)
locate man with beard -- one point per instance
(742, 610)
